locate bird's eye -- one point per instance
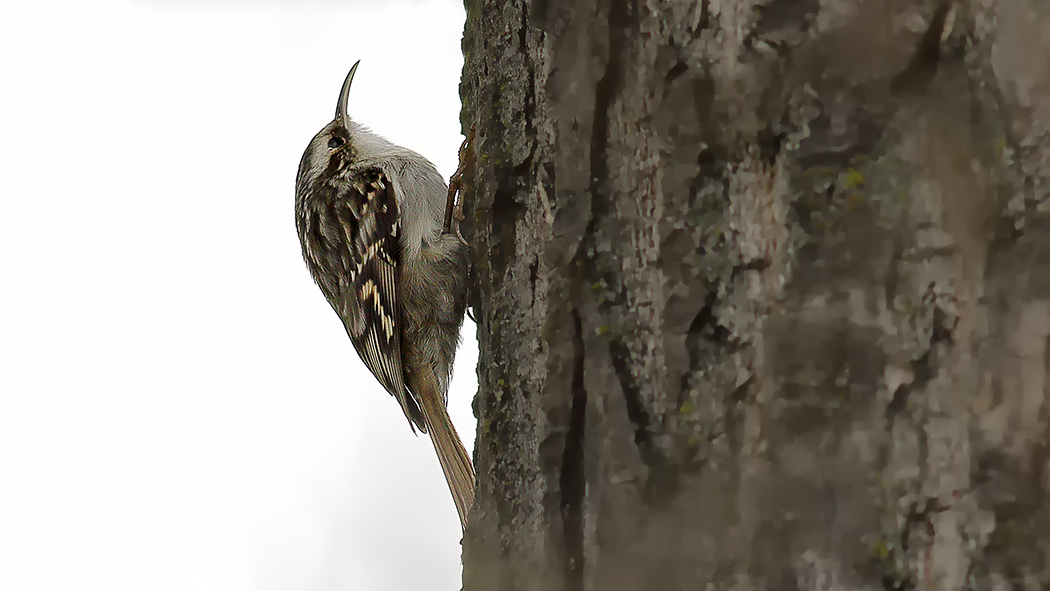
(335, 142)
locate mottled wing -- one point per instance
(374, 274)
(350, 234)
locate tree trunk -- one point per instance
(762, 292)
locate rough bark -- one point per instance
(762, 294)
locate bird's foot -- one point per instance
(457, 184)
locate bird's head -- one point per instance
(333, 147)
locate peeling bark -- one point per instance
(761, 291)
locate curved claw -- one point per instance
(454, 210)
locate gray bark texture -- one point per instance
(762, 294)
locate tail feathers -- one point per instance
(455, 463)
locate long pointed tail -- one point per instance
(455, 463)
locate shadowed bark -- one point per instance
(762, 293)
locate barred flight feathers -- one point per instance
(375, 273)
(352, 247)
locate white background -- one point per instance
(179, 407)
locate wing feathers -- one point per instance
(374, 275)
(351, 244)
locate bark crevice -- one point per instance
(573, 472)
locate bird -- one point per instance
(370, 216)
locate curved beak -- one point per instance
(340, 108)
